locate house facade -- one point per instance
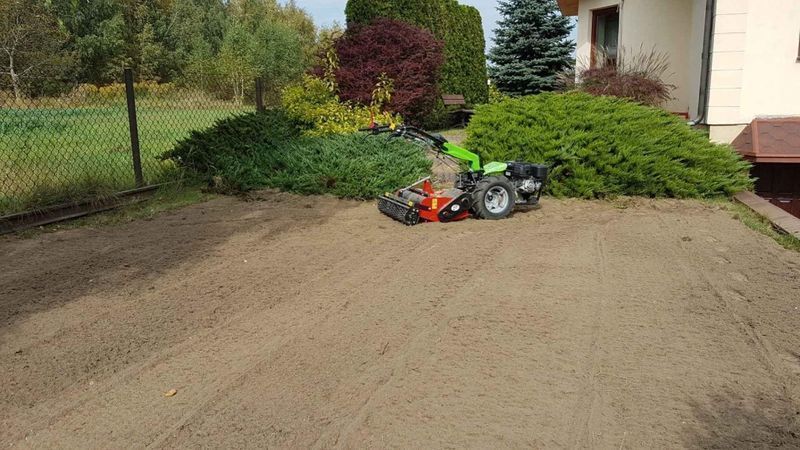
(732, 61)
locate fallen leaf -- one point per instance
(170, 393)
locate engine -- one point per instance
(517, 170)
(529, 180)
(528, 186)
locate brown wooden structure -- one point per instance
(461, 113)
(773, 146)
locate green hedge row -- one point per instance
(269, 150)
(605, 146)
(459, 26)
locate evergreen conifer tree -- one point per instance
(532, 47)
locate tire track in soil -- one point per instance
(371, 389)
(74, 390)
(762, 348)
(765, 351)
(260, 365)
(234, 365)
(466, 283)
(310, 354)
(591, 396)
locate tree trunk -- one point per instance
(235, 88)
(14, 78)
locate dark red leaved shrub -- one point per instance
(410, 56)
(636, 76)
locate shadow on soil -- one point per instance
(729, 421)
(53, 269)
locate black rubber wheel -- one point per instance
(494, 198)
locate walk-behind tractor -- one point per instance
(489, 191)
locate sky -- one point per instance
(325, 12)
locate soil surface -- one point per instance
(314, 323)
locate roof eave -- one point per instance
(568, 7)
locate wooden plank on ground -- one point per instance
(780, 218)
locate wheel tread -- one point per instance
(479, 209)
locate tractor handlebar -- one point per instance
(377, 129)
(410, 132)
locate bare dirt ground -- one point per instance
(313, 322)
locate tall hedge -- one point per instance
(459, 26)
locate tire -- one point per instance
(494, 198)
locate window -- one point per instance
(605, 34)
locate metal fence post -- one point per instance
(259, 95)
(134, 128)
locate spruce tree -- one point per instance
(531, 46)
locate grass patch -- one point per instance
(166, 198)
(760, 224)
(455, 135)
(52, 154)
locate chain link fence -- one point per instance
(91, 142)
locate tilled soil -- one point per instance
(313, 322)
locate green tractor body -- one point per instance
(489, 191)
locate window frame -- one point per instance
(596, 15)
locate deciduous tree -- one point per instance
(31, 41)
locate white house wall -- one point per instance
(673, 27)
(728, 62)
(755, 71)
(771, 82)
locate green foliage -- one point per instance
(262, 41)
(218, 45)
(313, 105)
(604, 146)
(269, 150)
(79, 153)
(31, 43)
(464, 71)
(762, 225)
(327, 57)
(351, 166)
(532, 47)
(98, 37)
(459, 26)
(495, 96)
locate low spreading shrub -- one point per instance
(605, 146)
(224, 154)
(114, 91)
(349, 166)
(270, 150)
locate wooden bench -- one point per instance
(458, 101)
